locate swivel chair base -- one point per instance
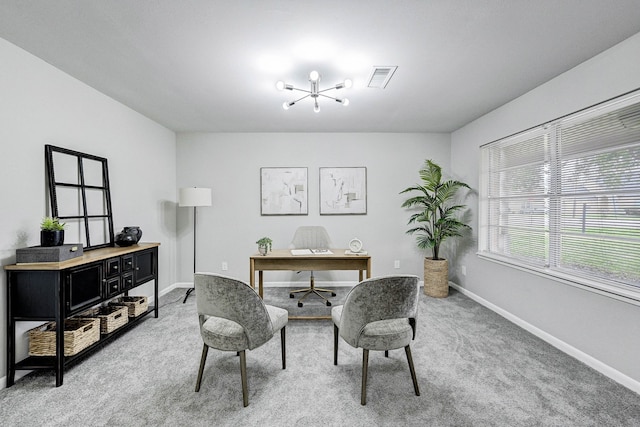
(312, 290)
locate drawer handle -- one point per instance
(115, 267)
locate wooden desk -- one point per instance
(281, 259)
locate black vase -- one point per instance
(128, 236)
(51, 237)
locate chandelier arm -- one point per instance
(298, 100)
(331, 88)
(302, 90)
(326, 96)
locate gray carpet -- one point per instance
(474, 369)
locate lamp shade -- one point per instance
(194, 196)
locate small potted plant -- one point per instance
(264, 245)
(51, 232)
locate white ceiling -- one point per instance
(211, 65)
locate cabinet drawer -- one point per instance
(127, 282)
(113, 287)
(112, 267)
(127, 263)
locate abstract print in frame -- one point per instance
(283, 191)
(343, 191)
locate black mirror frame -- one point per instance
(85, 217)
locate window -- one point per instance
(563, 199)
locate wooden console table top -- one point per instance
(87, 257)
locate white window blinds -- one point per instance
(564, 198)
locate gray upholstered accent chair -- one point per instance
(234, 318)
(378, 314)
(311, 237)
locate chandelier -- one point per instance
(315, 92)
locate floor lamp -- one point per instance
(194, 197)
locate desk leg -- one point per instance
(369, 268)
(260, 277)
(360, 275)
(252, 273)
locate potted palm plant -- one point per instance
(51, 232)
(435, 221)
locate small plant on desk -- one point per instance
(264, 245)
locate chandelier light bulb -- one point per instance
(314, 76)
(345, 102)
(280, 85)
(286, 105)
(348, 83)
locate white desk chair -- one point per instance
(311, 237)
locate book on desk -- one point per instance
(298, 252)
(311, 252)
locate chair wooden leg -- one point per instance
(243, 376)
(283, 347)
(365, 366)
(203, 359)
(335, 344)
(412, 370)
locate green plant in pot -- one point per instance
(264, 245)
(434, 222)
(51, 232)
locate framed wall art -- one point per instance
(283, 191)
(343, 191)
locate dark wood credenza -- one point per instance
(57, 291)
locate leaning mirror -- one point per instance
(80, 196)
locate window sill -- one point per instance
(622, 293)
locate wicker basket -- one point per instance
(78, 335)
(111, 317)
(136, 305)
(436, 278)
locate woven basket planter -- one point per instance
(111, 317)
(136, 305)
(436, 278)
(78, 335)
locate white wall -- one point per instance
(596, 326)
(41, 105)
(230, 164)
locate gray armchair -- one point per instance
(378, 314)
(234, 318)
(311, 237)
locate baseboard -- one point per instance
(178, 285)
(588, 360)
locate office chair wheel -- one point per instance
(333, 294)
(328, 303)
(299, 304)
(290, 295)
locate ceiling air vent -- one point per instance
(380, 76)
